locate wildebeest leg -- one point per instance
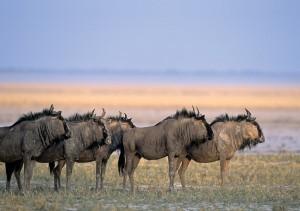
(179, 161)
(28, 170)
(17, 172)
(135, 162)
(178, 164)
(181, 172)
(9, 168)
(57, 172)
(227, 167)
(172, 170)
(103, 169)
(70, 164)
(124, 179)
(225, 171)
(128, 166)
(223, 165)
(98, 172)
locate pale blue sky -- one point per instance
(151, 34)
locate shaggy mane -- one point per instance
(81, 117)
(185, 114)
(241, 117)
(35, 115)
(225, 118)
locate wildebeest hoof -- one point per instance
(97, 190)
(22, 193)
(171, 189)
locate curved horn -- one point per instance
(103, 113)
(248, 113)
(92, 113)
(193, 109)
(226, 116)
(51, 108)
(125, 115)
(197, 111)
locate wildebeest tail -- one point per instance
(51, 167)
(121, 161)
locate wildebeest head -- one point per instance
(199, 130)
(201, 119)
(61, 118)
(103, 123)
(118, 125)
(251, 131)
(53, 128)
(65, 125)
(122, 121)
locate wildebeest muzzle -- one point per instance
(262, 139)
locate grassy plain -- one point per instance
(256, 182)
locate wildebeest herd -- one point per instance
(48, 137)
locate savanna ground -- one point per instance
(259, 182)
(266, 179)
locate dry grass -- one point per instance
(260, 182)
(36, 95)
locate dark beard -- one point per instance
(249, 143)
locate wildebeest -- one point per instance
(230, 135)
(87, 130)
(117, 126)
(28, 138)
(170, 137)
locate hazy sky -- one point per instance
(151, 34)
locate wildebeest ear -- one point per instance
(248, 112)
(59, 113)
(202, 116)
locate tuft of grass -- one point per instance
(259, 182)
